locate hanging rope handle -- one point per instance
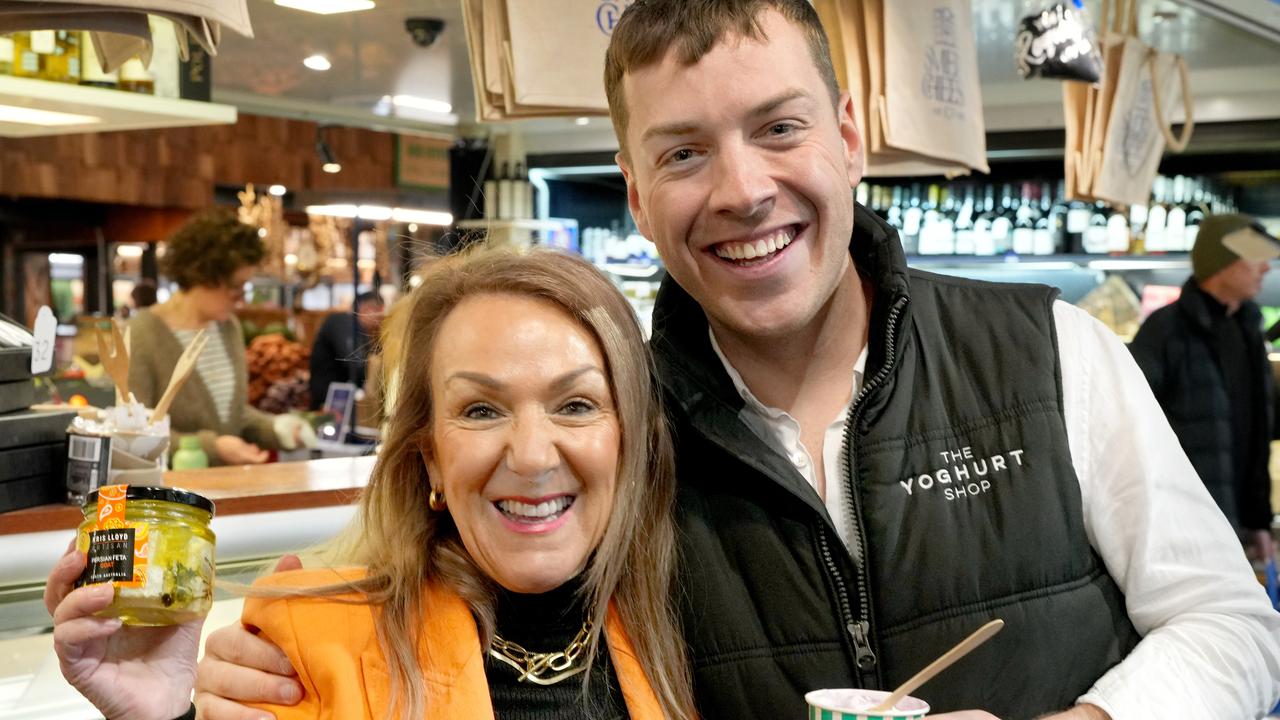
(1176, 144)
(1118, 19)
(1131, 28)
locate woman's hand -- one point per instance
(235, 451)
(292, 432)
(128, 673)
(240, 667)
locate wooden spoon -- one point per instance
(181, 371)
(116, 362)
(961, 649)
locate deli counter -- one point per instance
(262, 512)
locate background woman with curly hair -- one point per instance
(211, 258)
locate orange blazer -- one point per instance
(344, 675)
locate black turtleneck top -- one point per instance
(548, 623)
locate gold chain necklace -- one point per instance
(543, 668)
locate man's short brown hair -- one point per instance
(649, 28)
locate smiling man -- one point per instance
(875, 460)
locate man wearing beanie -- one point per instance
(1206, 360)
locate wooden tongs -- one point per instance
(115, 362)
(181, 372)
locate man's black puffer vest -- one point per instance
(965, 500)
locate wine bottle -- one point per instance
(983, 241)
(928, 238)
(1175, 223)
(945, 225)
(893, 215)
(964, 223)
(91, 68)
(1117, 232)
(1024, 224)
(1154, 236)
(1002, 223)
(1046, 233)
(912, 221)
(6, 55)
(1096, 239)
(1195, 216)
(134, 77)
(1078, 215)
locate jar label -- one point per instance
(110, 556)
(118, 549)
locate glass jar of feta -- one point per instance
(155, 546)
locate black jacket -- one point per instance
(964, 501)
(338, 355)
(1177, 352)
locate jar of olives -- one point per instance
(155, 546)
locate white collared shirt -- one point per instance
(1211, 641)
(782, 432)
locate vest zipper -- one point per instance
(860, 631)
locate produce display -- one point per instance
(277, 373)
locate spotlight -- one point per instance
(329, 162)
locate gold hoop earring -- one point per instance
(436, 501)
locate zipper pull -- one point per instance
(865, 656)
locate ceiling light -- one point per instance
(417, 103)
(31, 116)
(66, 259)
(129, 251)
(332, 168)
(422, 217)
(582, 121)
(343, 211)
(376, 213)
(413, 227)
(278, 190)
(318, 63)
(327, 7)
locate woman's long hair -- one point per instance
(406, 546)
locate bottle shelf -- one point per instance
(1163, 261)
(103, 110)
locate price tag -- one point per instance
(42, 349)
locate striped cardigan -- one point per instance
(153, 353)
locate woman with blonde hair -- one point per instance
(514, 548)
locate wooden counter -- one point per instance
(235, 490)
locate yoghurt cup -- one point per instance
(853, 704)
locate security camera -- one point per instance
(424, 31)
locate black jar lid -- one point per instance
(173, 495)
